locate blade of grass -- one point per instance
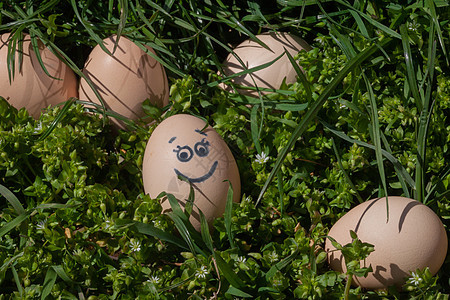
(184, 232)
(57, 119)
(63, 275)
(401, 170)
(425, 118)
(151, 230)
(359, 22)
(49, 282)
(306, 84)
(398, 171)
(411, 74)
(228, 215)
(12, 199)
(430, 4)
(236, 24)
(17, 280)
(231, 276)
(123, 4)
(237, 292)
(375, 128)
(13, 223)
(280, 191)
(88, 28)
(184, 226)
(390, 32)
(244, 72)
(351, 65)
(254, 128)
(206, 236)
(281, 264)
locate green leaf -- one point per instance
(151, 230)
(411, 74)
(49, 282)
(12, 199)
(14, 223)
(231, 276)
(206, 236)
(228, 215)
(237, 292)
(281, 264)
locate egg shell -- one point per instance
(181, 145)
(124, 79)
(31, 87)
(254, 55)
(413, 238)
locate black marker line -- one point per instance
(202, 178)
(172, 139)
(201, 132)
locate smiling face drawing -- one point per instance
(185, 154)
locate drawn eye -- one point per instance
(201, 148)
(184, 154)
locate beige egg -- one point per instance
(125, 79)
(182, 146)
(31, 87)
(253, 55)
(413, 238)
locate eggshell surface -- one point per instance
(124, 79)
(253, 55)
(31, 87)
(182, 146)
(413, 238)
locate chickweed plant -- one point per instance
(367, 117)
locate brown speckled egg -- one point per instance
(125, 79)
(413, 238)
(253, 54)
(182, 146)
(31, 87)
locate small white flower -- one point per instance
(202, 272)
(277, 282)
(135, 245)
(41, 225)
(154, 279)
(157, 223)
(273, 256)
(415, 278)
(38, 128)
(109, 224)
(261, 158)
(321, 40)
(241, 259)
(248, 199)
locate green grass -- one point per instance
(368, 117)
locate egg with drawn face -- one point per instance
(184, 146)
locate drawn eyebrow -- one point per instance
(172, 139)
(201, 132)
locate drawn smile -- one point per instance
(201, 178)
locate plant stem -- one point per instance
(347, 286)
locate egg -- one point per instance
(183, 145)
(124, 79)
(31, 87)
(253, 55)
(413, 238)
